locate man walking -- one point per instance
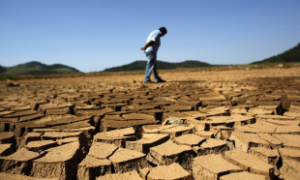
(151, 48)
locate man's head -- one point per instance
(163, 31)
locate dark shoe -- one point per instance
(148, 82)
(161, 81)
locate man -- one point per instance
(151, 48)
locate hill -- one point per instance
(290, 56)
(35, 67)
(2, 69)
(140, 65)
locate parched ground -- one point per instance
(238, 124)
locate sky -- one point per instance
(92, 35)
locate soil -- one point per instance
(242, 175)
(212, 167)
(173, 171)
(249, 162)
(230, 124)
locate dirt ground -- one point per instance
(238, 124)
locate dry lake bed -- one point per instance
(235, 124)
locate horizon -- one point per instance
(96, 35)
(36, 61)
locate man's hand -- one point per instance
(146, 45)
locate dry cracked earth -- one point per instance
(201, 125)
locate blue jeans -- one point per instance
(151, 67)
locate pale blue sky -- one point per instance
(92, 35)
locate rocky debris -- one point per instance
(211, 146)
(59, 162)
(156, 129)
(173, 130)
(156, 113)
(125, 160)
(212, 166)
(20, 113)
(38, 146)
(173, 171)
(293, 114)
(195, 114)
(261, 111)
(96, 162)
(290, 163)
(290, 169)
(249, 162)
(22, 108)
(33, 136)
(216, 111)
(287, 153)
(243, 175)
(219, 113)
(102, 150)
(97, 115)
(177, 108)
(30, 117)
(284, 122)
(62, 136)
(4, 113)
(52, 107)
(289, 141)
(173, 120)
(274, 117)
(189, 139)
(222, 132)
(6, 149)
(92, 167)
(233, 121)
(117, 137)
(88, 110)
(173, 115)
(44, 130)
(19, 162)
(60, 111)
(102, 156)
(169, 152)
(258, 127)
(13, 84)
(146, 142)
(288, 130)
(133, 175)
(239, 110)
(7, 137)
(205, 134)
(126, 120)
(21, 177)
(270, 156)
(212, 96)
(69, 140)
(59, 120)
(244, 141)
(293, 106)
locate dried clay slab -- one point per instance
(212, 167)
(173, 171)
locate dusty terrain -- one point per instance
(241, 124)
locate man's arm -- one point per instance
(147, 44)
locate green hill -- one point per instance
(2, 69)
(140, 65)
(289, 56)
(35, 67)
